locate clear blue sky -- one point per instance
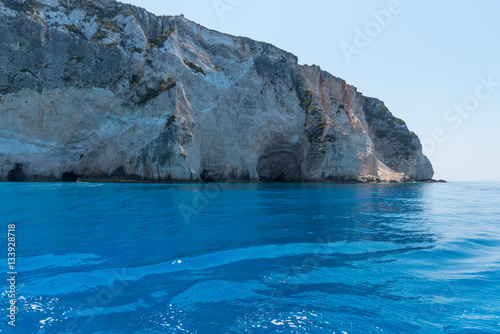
(424, 59)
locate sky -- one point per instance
(435, 64)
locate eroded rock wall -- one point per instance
(106, 91)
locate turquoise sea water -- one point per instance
(253, 258)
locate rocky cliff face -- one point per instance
(106, 91)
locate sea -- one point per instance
(250, 258)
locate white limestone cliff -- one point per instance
(106, 91)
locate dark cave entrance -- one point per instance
(70, 177)
(281, 166)
(207, 176)
(16, 174)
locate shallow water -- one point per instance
(254, 258)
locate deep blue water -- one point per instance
(254, 258)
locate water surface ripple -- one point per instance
(254, 258)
